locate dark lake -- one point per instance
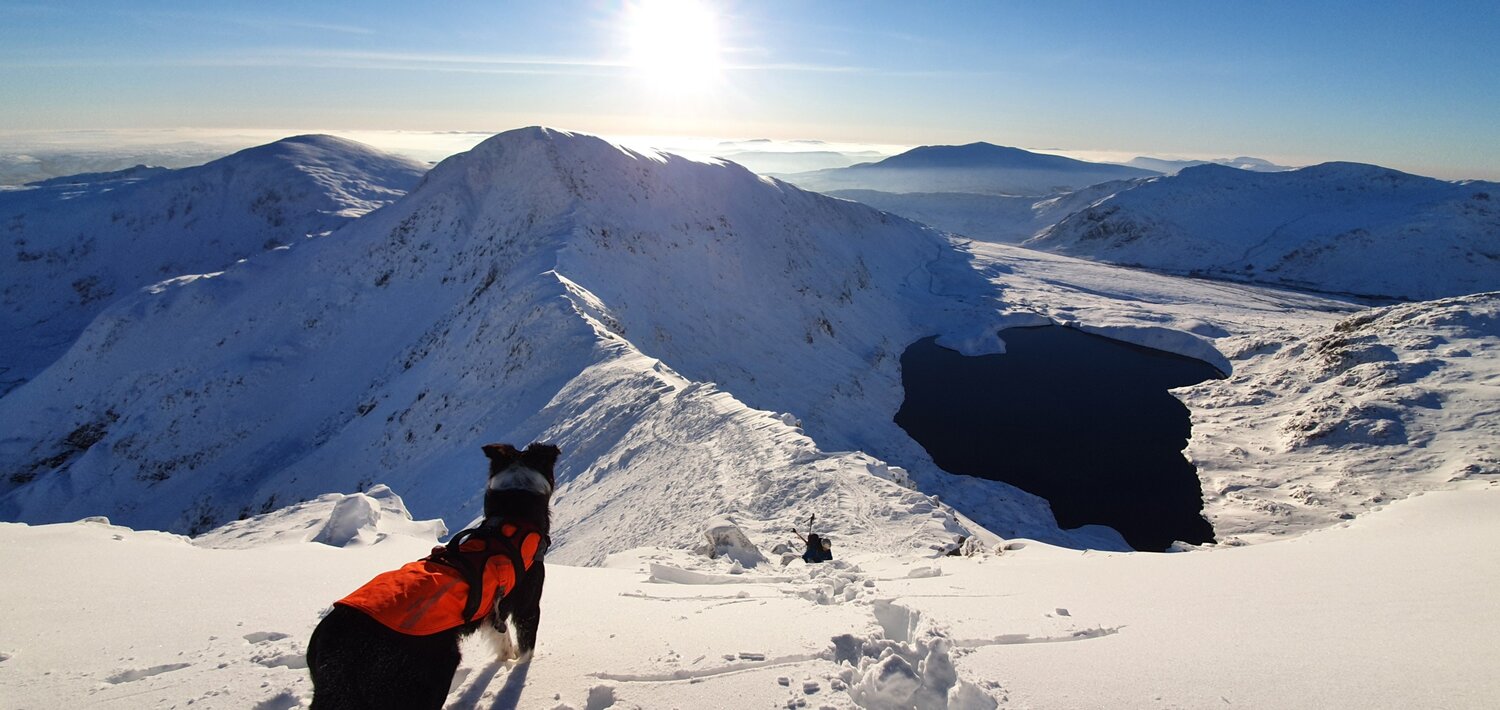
(1079, 419)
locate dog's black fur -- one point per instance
(356, 662)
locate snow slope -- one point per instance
(76, 244)
(1384, 404)
(992, 218)
(668, 323)
(1339, 227)
(974, 168)
(1387, 611)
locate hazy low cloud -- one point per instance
(28, 156)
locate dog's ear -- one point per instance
(541, 457)
(501, 455)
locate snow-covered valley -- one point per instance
(703, 342)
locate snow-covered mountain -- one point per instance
(76, 244)
(669, 323)
(981, 168)
(1007, 219)
(1336, 227)
(714, 348)
(1172, 167)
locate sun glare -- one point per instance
(674, 44)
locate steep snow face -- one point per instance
(544, 286)
(74, 245)
(975, 168)
(993, 218)
(1340, 227)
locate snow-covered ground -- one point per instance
(1386, 611)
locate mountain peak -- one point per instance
(314, 148)
(554, 167)
(555, 140)
(971, 155)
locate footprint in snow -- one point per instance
(265, 636)
(282, 660)
(130, 676)
(600, 697)
(284, 700)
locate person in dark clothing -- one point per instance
(819, 548)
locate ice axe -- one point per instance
(810, 520)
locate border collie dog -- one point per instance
(393, 643)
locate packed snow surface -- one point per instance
(1381, 612)
(1336, 227)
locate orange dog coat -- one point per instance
(431, 595)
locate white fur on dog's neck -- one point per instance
(520, 478)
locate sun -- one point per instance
(674, 44)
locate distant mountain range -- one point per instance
(74, 245)
(1172, 167)
(1337, 227)
(981, 168)
(992, 218)
(771, 162)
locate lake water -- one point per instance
(1081, 420)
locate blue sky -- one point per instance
(1412, 85)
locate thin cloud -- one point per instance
(280, 24)
(412, 61)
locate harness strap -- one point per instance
(471, 565)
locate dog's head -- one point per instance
(514, 472)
